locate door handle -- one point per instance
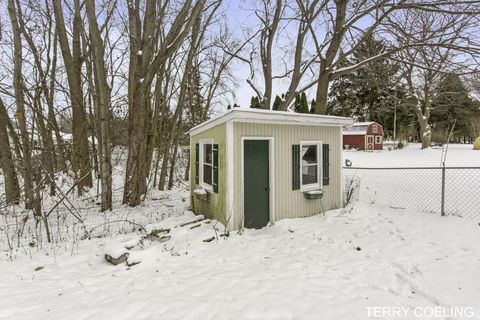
(267, 188)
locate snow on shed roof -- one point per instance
(270, 116)
(357, 124)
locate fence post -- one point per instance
(442, 210)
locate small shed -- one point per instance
(363, 136)
(252, 167)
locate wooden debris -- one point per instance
(159, 239)
(133, 263)
(197, 219)
(118, 260)
(157, 232)
(209, 239)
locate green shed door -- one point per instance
(256, 183)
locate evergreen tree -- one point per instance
(452, 104)
(255, 103)
(301, 103)
(277, 102)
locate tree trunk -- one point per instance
(61, 163)
(423, 115)
(12, 188)
(322, 92)
(173, 160)
(135, 183)
(164, 167)
(48, 150)
(186, 177)
(73, 65)
(20, 102)
(103, 113)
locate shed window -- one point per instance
(378, 139)
(374, 128)
(310, 165)
(206, 164)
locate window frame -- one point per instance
(319, 183)
(202, 143)
(378, 139)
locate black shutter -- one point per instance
(197, 164)
(295, 166)
(215, 168)
(326, 164)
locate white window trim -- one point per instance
(201, 143)
(378, 139)
(312, 186)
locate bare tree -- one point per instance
(73, 61)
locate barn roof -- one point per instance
(270, 116)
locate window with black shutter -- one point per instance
(310, 165)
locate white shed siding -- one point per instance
(289, 203)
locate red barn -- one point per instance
(363, 136)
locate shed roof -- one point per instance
(270, 116)
(363, 123)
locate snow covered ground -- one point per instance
(356, 263)
(458, 155)
(323, 267)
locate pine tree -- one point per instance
(452, 104)
(277, 102)
(255, 103)
(301, 103)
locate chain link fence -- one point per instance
(443, 191)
